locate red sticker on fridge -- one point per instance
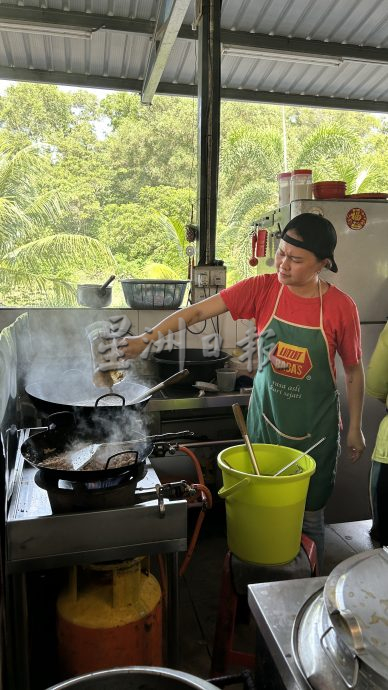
(356, 218)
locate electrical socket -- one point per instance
(218, 276)
(200, 276)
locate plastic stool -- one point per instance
(236, 576)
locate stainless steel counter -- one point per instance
(38, 539)
(197, 402)
(274, 606)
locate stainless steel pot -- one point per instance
(135, 678)
(340, 638)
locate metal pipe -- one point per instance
(204, 444)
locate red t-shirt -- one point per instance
(255, 298)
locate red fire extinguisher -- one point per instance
(259, 245)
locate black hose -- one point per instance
(244, 677)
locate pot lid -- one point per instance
(323, 661)
(356, 599)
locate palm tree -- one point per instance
(38, 267)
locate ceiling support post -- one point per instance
(209, 85)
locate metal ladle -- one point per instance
(239, 417)
(299, 457)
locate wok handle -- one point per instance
(110, 395)
(170, 435)
(172, 379)
(61, 420)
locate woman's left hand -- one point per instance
(355, 444)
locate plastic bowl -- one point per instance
(329, 190)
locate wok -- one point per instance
(74, 391)
(60, 440)
(202, 367)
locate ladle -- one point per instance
(163, 384)
(105, 285)
(239, 417)
(299, 457)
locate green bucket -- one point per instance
(264, 514)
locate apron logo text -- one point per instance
(290, 360)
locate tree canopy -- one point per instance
(90, 186)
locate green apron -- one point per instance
(294, 401)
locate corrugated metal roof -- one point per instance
(352, 34)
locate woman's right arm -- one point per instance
(133, 346)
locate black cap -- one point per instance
(317, 235)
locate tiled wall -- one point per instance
(58, 329)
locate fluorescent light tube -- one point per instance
(45, 29)
(281, 56)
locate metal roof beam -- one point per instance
(302, 46)
(170, 18)
(166, 89)
(83, 20)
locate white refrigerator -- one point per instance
(362, 259)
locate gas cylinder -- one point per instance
(109, 615)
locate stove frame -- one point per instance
(37, 539)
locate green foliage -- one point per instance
(90, 187)
(48, 268)
(161, 271)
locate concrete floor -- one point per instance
(201, 583)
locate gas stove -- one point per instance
(37, 537)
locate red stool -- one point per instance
(236, 575)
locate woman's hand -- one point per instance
(355, 444)
(132, 346)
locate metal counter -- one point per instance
(197, 402)
(274, 606)
(37, 539)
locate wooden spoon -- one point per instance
(239, 417)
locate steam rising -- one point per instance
(60, 371)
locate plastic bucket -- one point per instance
(264, 514)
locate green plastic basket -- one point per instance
(154, 294)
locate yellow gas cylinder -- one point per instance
(110, 615)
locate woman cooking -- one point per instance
(302, 322)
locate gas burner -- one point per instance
(112, 492)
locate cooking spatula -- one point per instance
(81, 456)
